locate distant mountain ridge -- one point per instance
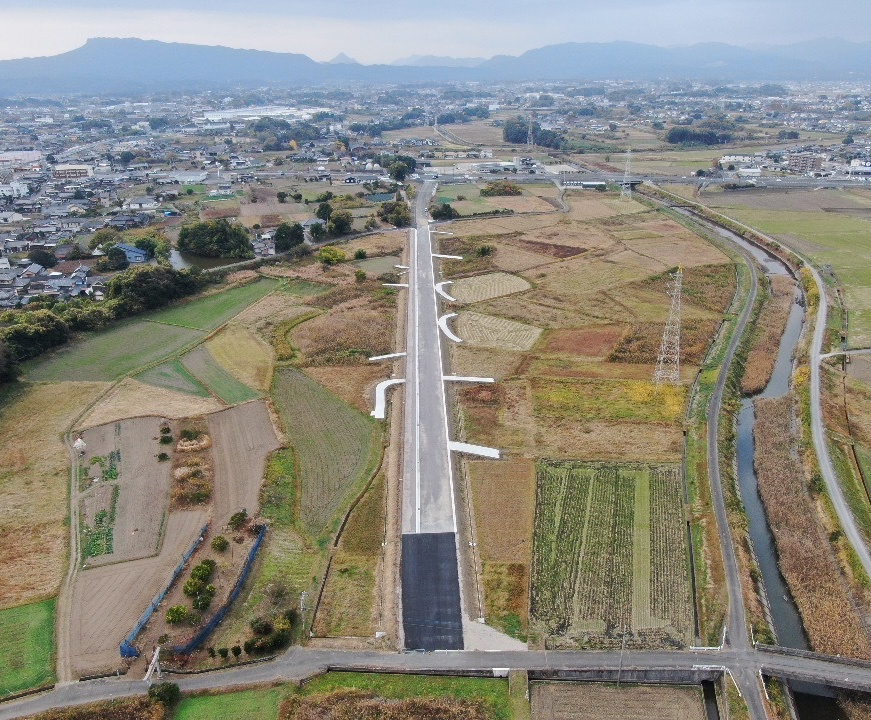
(130, 64)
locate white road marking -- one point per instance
(401, 267)
(380, 411)
(395, 284)
(414, 262)
(443, 324)
(466, 378)
(376, 358)
(470, 449)
(439, 288)
(447, 257)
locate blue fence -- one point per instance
(210, 626)
(128, 649)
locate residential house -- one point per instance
(134, 254)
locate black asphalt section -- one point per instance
(431, 592)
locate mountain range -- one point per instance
(130, 64)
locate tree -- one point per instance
(331, 255)
(115, 259)
(847, 140)
(42, 257)
(443, 211)
(324, 211)
(317, 231)
(165, 692)
(395, 212)
(282, 196)
(398, 171)
(149, 287)
(7, 366)
(126, 157)
(32, 333)
(104, 237)
(287, 236)
(215, 238)
(340, 223)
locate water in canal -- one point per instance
(813, 702)
(182, 261)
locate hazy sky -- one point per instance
(384, 30)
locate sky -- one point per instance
(380, 31)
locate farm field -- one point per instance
(242, 439)
(594, 701)
(211, 374)
(624, 524)
(238, 350)
(34, 482)
(26, 646)
(467, 199)
(109, 354)
(349, 593)
(174, 376)
(209, 312)
(484, 287)
(336, 446)
(412, 697)
(829, 227)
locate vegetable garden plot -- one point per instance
(609, 555)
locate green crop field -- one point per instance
(26, 646)
(337, 447)
(112, 353)
(200, 363)
(827, 238)
(623, 524)
(261, 704)
(209, 312)
(173, 375)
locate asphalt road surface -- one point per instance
(431, 616)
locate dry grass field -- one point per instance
(806, 558)
(767, 334)
(352, 383)
(484, 287)
(243, 354)
(34, 482)
(132, 396)
(592, 701)
(488, 331)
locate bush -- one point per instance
(360, 254)
(360, 275)
(238, 519)
(193, 587)
(203, 571)
(220, 543)
(176, 614)
(162, 457)
(166, 439)
(165, 692)
(331, 255)
(212, 652)
(202, 602)
(261, 626)
(223, 652)
(484, 251)
(248, 646)
(188, 434)
(236, 650)
(165, 430)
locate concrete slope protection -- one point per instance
(430, 577)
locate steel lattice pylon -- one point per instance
(668, 360)
(626, 186)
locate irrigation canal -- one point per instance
(813, 702)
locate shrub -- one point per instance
(176, 614)
(162, 457)
(165, 692)
(204, 570)
(236, 650)
(261, 626)
(360, 275)
(237, 519)
(202, 602)
(360, 254)
(223, 652)
(165, 430)
(212, 652)
(166, 439)
(193, 587)
(188, 434)
(484, 251)
(248, 646)
(331, 255)
(220, 543)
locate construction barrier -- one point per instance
(128, 649)
(210, 626)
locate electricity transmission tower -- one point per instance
(668, 360)
(530, 137)
(626, 187)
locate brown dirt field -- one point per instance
(521, 204)
(596, 341)
(242, 438)
(245, 356)
(768, 332)
(137, 708)
(550, 249)
(352, 383)
(131, 397)
(387, 243)
(34, 479)
(484, 287)
(797, 200)
(143, 483)
(503, 495)
(641, 344)
(346, 704)
(512, 259)
(592, 701)
(107, 601)
(860, 368)
(859, 407)
(349, 334)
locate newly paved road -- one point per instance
(431, 609)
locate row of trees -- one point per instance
(217, 239)
(516, 131)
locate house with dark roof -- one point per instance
(134, 254)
